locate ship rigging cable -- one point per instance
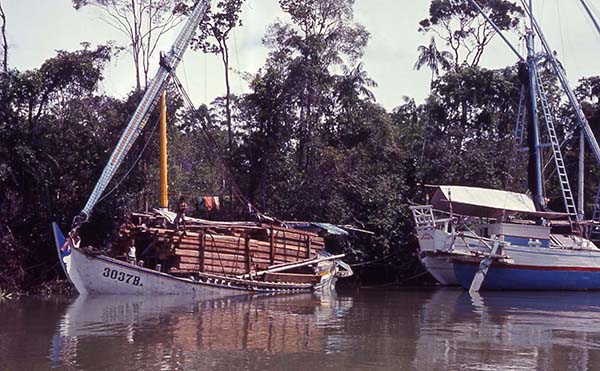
(213, 149)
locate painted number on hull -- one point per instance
(116, 275)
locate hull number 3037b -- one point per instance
(116, 275)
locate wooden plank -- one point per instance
(188, 266)
(298, 243)
(248, 257)
(291, 252)
(221, 242)
(221, 256)
(202, 251)
(217, 237)
(189, 260)
(272, 246)
(187, 252)
(292, 230)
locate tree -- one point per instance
(434, 59)
(213, 37)
(4, 41)
(322, 34)
(353, 86)
(430, 56)
(473, 111)
(465, 30)
(54, 131)
(143, 22)
(358, 82)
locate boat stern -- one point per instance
(432, 233)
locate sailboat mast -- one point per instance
(167, 66)
(589, 12)
(164, 187)
(581, 177)
(534, 130)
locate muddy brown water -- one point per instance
(363, 330)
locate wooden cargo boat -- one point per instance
(205, 259)
(211, 260)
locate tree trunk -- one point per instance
(135, 42)
(136, 62)
(4, 42)
(225, 57)
(428, 119)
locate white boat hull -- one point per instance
(93, 274)
(440, 266)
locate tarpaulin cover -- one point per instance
(482, 202)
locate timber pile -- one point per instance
(223, 250)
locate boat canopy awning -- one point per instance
(481, 202)
(332, 229)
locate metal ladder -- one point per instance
(565, 187)
(594, 231)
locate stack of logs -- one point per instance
(228, 250)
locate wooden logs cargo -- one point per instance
(220, 249)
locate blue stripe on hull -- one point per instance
(505, 278)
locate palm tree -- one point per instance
(357, 82)
(431, 57)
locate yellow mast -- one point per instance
(164, 187)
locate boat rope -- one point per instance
(569, 92)
(362, 264)
(133, 165)
(214, 151)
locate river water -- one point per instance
(444, 329)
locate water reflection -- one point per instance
(173, 332)
(509, 330)
(368, 329)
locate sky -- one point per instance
(37, 28)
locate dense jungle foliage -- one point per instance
(308, 142)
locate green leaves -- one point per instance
(464, 30)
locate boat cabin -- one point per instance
(495, 214)
(518, 234)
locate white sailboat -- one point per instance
(492, 239)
